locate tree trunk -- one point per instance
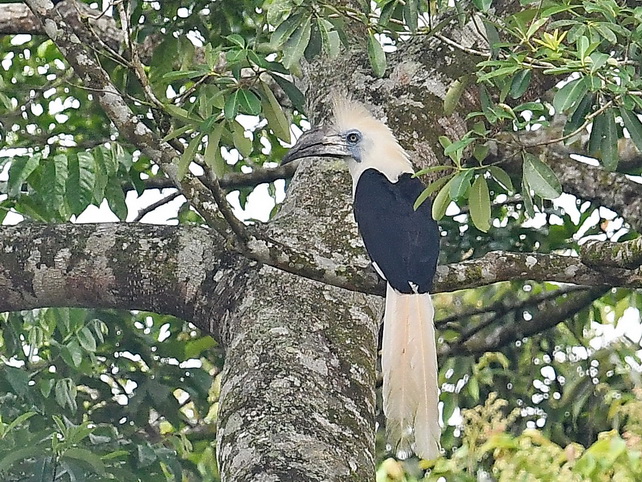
(297, 396)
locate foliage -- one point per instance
(92, 395)
(489, 449)
(96, 395)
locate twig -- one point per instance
(502, 307)
(136, 64)
(589, 119)
(224, 207)
(146, 210)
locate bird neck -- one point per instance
(391, 169)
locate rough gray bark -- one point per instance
(298, 386)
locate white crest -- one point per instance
(379, 147)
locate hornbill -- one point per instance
(403, 244)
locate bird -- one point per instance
(403, 245)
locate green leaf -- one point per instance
(17, 421)
(65, 392)
(242, 143)
(188, 155)
(411, 14)
(387, 12)
(528, 199)
(605, 31)
(89, 459)
(598, 59)
(569, 95)
(182, 114)
(460, 184)
(285, 30)
(520, 83)
(237, 40)
(20, 169)
(86, 339)
(479, 204)
(431, 188)
(329, 37)
(274, 114)
(80, 181)
(55, 177)
(483, 5)
(442, 200)
(603, 140)
(232, 105)
(18, 379)
(295, 46)
(541, 178)
(578, 117)
(480, 152)
(376, 55)
(292, 91)
(315, 44)
(501, 72)
(456, 89)
(502, 177)
(177, 132)
(116, 198)
(72, 353)
(535, 26)
(248, 102)
(181, 74)
(633, 125)
(19, 454)
(212, 160)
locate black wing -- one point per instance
(404, 243)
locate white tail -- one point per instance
(409, 366)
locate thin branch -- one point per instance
(230, 181)
(544, 319)
(235, 223)
(136, 64)
(161, 202)
(502, 307)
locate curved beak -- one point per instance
(319, 142)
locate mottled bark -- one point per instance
(298, 386)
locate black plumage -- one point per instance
(403, 243)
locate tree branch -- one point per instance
(166, 269)
(547, 316)
(161, 202)
(231, 180)
(58, 26)
(626, 255)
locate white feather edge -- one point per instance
(409, 366)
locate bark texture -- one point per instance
(298, 388)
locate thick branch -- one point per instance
(610, 189)
(166, 269)
(626, 255)
(613, 190)
(85, 273)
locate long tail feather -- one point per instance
(409, 365)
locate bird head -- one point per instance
(357, 137)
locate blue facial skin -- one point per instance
(353, 140)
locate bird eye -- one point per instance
(353, 137)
